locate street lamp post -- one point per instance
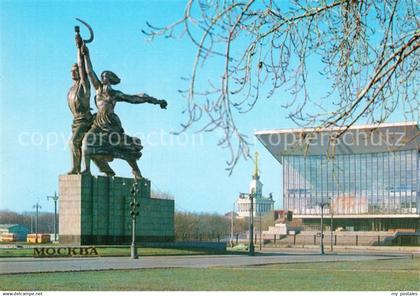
(37, 207)
(54, 198)
(251, 226)
(322, 205)
(134, 213)
(259, 214)
(331, 226)
(231, 225)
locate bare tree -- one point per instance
(200, 226)
(46, 220)
(162, 195)
(365, 52)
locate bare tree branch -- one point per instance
(365, 53)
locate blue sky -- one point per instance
(37, 51)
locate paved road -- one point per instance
(31, 265)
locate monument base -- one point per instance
(95, 210)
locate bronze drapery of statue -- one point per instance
(106, 138)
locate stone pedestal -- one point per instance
(96, 210)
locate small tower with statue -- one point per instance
(262, 205)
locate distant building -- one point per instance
(20, 231)
(262, 205)
(228, 215)
(369, 177)
(38, 238)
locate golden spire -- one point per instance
(256, 164)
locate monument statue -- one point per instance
(101, 137)
(95, 209)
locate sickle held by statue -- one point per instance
(90, 30)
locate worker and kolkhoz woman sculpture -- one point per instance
(100, 137)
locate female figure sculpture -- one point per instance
(106, 138)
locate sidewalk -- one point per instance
(33, 265)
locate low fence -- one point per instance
(188, 245)
(347, 239)
(338, 240)
(203, 238)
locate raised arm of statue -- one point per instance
(82, 70)
(89, 69)
(139, 99)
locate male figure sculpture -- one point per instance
(78, 101)
(106, 138)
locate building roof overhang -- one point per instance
(385, 137)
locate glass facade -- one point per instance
(368, 183)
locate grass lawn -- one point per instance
(121, 251)
(378, 275)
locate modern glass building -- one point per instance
(369, 176)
